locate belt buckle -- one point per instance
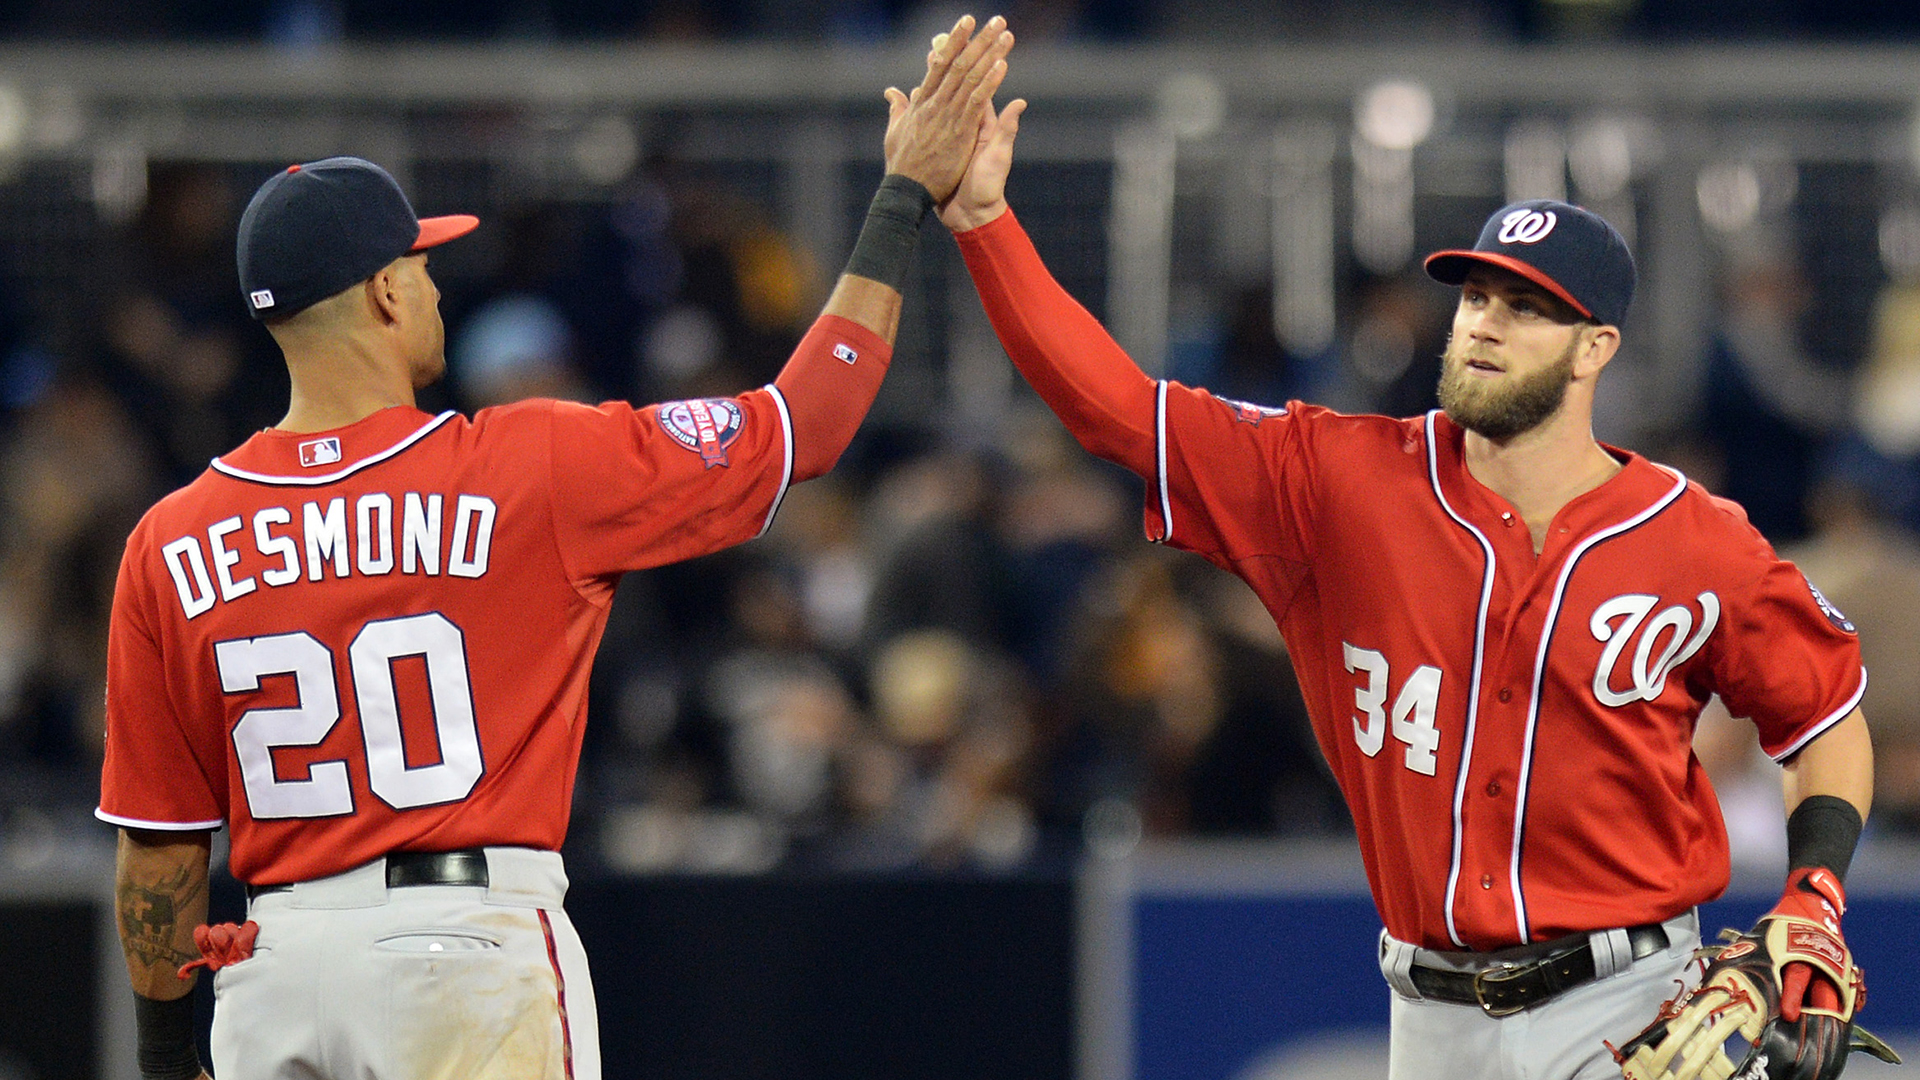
(1502, 972)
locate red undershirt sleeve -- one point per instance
(1070, 360)
(829, 383)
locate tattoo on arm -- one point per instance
(160, 896)
(150, 918)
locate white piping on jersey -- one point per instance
(1160, 462)
(157, 826)
(1540, 670)
(315, 481)
(1833, 718)
(1473, 688)
(786, 457)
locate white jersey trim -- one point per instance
(1160, 462)
(1833, 718)
(1473, 688)
(786, 457)
(341, 474)
(157, 826)
(1540, 670)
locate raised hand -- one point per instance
(932, 132)
(982, 193)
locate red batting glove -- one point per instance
(222, 944)
(1815, 894)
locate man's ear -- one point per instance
(383, 295)
(1602, 342)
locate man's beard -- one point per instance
(1501, 412)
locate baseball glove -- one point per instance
(1738, 1010)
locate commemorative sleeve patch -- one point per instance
(1248, 413)
(1840, 622)
(706, 426)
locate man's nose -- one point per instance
(1484, 323)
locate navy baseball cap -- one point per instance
(318, 228)
(1569, 251)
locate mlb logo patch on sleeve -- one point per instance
(845, 352)
(262, 299)
(317, 452)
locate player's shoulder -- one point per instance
(545, 414)
(510, 417)
(1708, 509)
(1713, 520)
(1317, 421)
(185, 503)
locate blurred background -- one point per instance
(892, 789)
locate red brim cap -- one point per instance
(1448, 267)
(435, 231)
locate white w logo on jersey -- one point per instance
(1671, 632)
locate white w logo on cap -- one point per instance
(1526, 226)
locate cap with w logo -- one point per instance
(316, 229)
(1570, 251)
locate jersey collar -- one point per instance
(1638, 485)
(309, 459)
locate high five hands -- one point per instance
(932, 132)
(980, 195)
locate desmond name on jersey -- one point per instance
(376, 536)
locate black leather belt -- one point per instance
(404, 868)
(1503, 989)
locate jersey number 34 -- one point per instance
(1413, 710)
(326, 792)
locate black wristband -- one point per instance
(885, 249)
(169, 1042)
(1822, 831)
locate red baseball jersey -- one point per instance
(378, 638)
(1512, 732)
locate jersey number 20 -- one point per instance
(1413, 710)
(326, 792)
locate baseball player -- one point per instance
(361, 640)
(1504, 631)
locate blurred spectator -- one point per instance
(27, 368)
(686, 289)
(1747, 782)
(1399, 330)
(1769, 408)
(1061, 516)
(820, 529)
(74, 478)
(1180, 703)
(1142, 695)
(1247, 363)
(1885, 456)
(995, 548)
(941, 562)
(516, 346)
(1260, 772)
(939, 786)
(743, 750)
(175, 342)
(1869, 569)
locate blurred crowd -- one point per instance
(955, 652)
(309, 23)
